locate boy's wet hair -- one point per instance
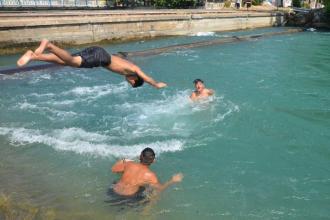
(147, 156)
(138, 82)
(197, 81)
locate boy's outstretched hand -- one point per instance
(160, 85)
(177, 178)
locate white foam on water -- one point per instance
(80, 141)
(220, 107)
(277, 212)
(61, 103)
(173, 115)
(176, 104)
(189, 55)
(25, 105)
(298, 198)
(44, 95)
(80, 94)
(231, 109)
(311, 29)
(204, 34)
(52, 114)
(155, 117)
(18, 75)
(77, 72)
(205, 103)
(51, 100)
(37, 77)
(168, 118)
(94, 92)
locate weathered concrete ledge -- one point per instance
(84, 27)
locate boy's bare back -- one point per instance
(135, 175)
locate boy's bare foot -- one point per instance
(25, 58)
(41, 47)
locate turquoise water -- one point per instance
(259, 149)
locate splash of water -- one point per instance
(80, 141)
(202, 34)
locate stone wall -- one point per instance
(82, 27)
(315, 18)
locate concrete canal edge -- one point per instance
(24, 29)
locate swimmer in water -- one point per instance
(138, 175)
(89, 58)
(201, 92)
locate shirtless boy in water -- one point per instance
(200, 92)
(136, 175)
(89, 58)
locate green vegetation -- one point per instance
(306, 5)
(227, 4)
(257, 2)
(296, 3)
(175, 3)
(327, 6)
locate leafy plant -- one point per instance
(296, 3)
(227, 4)
(175, 3)
(257, 2)
(327, 6)
(306, 5)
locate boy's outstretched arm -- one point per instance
(153, 181)
(148, 79)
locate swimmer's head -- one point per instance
(134, 80)
(199, 85)
(147, 156)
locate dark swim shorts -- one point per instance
(94, 57)
(135, 200)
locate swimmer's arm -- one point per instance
(211, 92)
(119, 166)
(160, 187)
(148, 79)
(193, 96)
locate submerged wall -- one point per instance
(80, 27)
